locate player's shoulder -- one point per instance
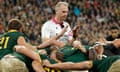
(65, 22)
(48, 22)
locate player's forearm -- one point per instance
(28, 52)
(58, 43)
(57, 36)
(37, 67)
(45, 44)
(51, 42)
(60, 34)
(82, 49)
(72, 66)
(29, 46)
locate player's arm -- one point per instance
(53, 40)
(45, 36)
(71, 39)
(116, 43)
(82, 49)
(27, 52)
(103, 41)
(78, 45)
(21, 41)
(26, 49)
(37, 66)
(70, 66)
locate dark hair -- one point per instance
(14, 24)
(113, 27)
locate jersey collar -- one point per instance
(12, 30)
(56, 22)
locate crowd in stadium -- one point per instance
(95, 25)
(95, 17)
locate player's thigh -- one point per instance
(115, 67)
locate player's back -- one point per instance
(7, 41)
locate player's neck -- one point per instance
(58, 19)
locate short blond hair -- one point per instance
(12, 64)
(59, 4)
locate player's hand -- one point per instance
(46, 63)
(42, 51)
(77, 44)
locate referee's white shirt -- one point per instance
(52, 28)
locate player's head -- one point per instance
(77, 43)
(61, 10)
(114, 31)
(15, 24)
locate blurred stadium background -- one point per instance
(95, 17)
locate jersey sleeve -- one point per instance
(45, 33)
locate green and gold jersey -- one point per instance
(47, 69)
(8, 41)
(104, 65)
(73, 54)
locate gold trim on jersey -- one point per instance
(47, 69)
(12, 30)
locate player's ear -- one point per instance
(20, 30)
(56, 12)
